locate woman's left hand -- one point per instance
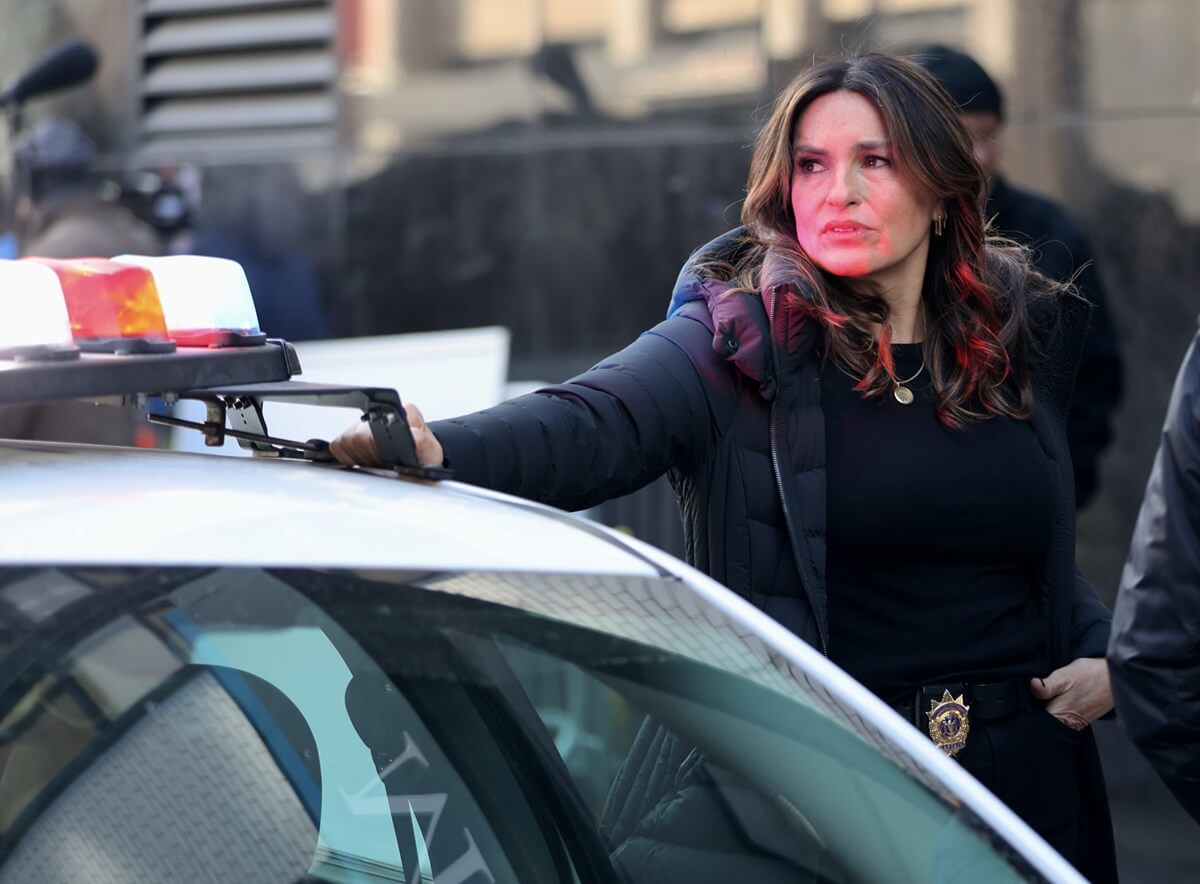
(1078, 693)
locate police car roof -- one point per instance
(83, 504)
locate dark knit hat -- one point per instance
(55, 144)
(967, 82)
(56, 154)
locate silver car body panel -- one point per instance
(64, 504)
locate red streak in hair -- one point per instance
(884, 350)
(982, 348)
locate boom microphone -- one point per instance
(72, 63)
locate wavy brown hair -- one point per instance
(977, 287)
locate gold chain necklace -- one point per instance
(902, 393)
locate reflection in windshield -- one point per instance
(304, 665)
(210, 731)
(295, 725)
(666, 615)
(373, 753)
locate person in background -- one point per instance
(1060, 251)
(861, 401)
(61, 213)
(1154, 653)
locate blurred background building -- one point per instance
(546, 165)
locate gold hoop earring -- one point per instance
(939, 225)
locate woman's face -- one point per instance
(856, 215)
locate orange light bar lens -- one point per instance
(106, 300)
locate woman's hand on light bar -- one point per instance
(356, 446)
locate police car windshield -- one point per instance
(303, 725)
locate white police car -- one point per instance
(276, 669)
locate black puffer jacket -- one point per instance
(1154, 657)
(728, 401)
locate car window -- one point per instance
(304, 725)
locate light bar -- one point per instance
(113, 307)
(206, 301)
(34, 324)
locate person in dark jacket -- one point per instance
(1154, 654)
(1061, 251)
(861, 401)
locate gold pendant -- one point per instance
(903, 395)
(949, 723)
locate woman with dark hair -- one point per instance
(860, 398)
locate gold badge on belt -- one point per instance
(949, 723)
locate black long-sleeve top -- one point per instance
(935, 537)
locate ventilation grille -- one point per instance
(221, 77)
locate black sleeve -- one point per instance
(602, 434)
(1154, 654)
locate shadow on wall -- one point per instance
(1151, 265)
(568, 227)
(574, 247)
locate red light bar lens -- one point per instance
(111, 306)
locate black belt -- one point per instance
(987, 702)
